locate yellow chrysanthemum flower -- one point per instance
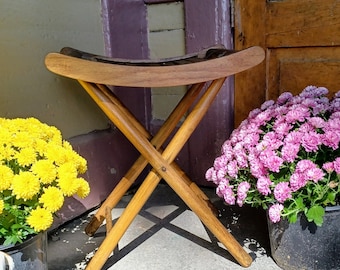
(54, 135)
(69, 186)
(82, 166)
(41, 146)
(52, 199)
(67, 145)
(40, 219)
(2, 205)
(25, 185)
(5, 136)
(67, 170)
(56, 153)
(79, 162)
(22, 139)
(7, 152)
(26, 156)
(84, 188)
(45, 171)
(6, 177)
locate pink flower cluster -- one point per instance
(282, 139)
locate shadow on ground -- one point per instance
(70, 248)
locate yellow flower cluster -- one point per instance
(37, 170)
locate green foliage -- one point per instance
(315, 214)
(13, 226)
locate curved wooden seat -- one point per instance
(206, 72)
(208, 65)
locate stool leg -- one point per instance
(201, 209)
(130, 212)
(125, 183)
(200, 194)
(108, 218)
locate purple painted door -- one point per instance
(207, 23)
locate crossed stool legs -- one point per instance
(162, 167)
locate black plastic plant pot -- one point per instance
(303, 245)
(29, 255)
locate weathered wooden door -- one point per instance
(302, 42)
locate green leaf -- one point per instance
(292, 218)
(299, 203)
(316, 213)
(16, 226)
(331, 197)
(13, 239)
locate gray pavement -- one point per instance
(165, 235)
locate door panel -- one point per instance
(293, 69)
(302, 23)
(302, 45)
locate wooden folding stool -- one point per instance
(205, 72)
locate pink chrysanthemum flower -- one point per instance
(297, 181)
(304, 165)
(263, 185)
(275, 212)
(336, 165)
(227, 150)
(282, 129)
(270, 160)
(311, 141)
(298, 113)
(294, 137)
(232, 168)
(290, 151)
(257, 169)
(284, 97)
(220, 162)
(317, 122)
(315, 174)
(242, 192)
(328, 167)
(331, 138)
(282, 192)
(210, 175)
(225, 191)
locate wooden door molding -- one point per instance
(249, 31)
(302, 44)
